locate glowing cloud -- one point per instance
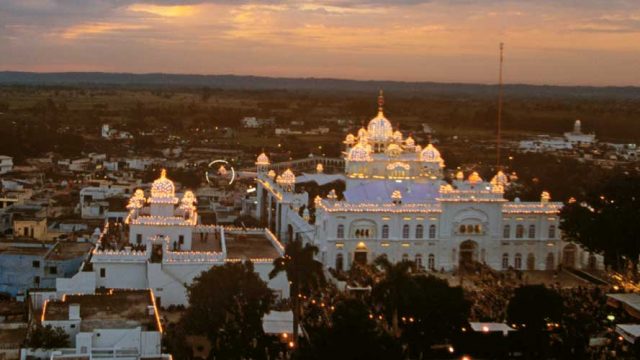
(164, 11)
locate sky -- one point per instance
(556, 42)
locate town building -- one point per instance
(116, 324)
(397, 203)
(161, 245)
(6, 164)
(28, 263)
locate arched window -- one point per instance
(470, 229)
(552, 232)
(419, 231)
(506, 231)
(339, 262)
(431, 262)
(385, 231)
(463, 229)
(477, 229)
(517, 263)
(432, 231)
(519, 231)
(405, 231)
(550, 263)
(532, 231)
(419, 261)
(505, 261)
(340, 232)
(405, 257)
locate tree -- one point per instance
(390, 292)
(434, 313)
(531, 308)
(47, 337)
(227, 304)
(608, 220)
(353, 334)
(304, 272)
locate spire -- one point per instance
(380, 101)
(163, 173)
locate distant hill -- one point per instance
(237, 82)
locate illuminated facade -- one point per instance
(162, 246)
(397, 203)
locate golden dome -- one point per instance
(163, 188)
(262, 159)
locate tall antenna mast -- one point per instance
(499, 133)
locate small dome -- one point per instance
(397, 136)
(474, 178)
(362, 134)
(350, 139)
(359, 153)
(500, 179)
(460, 176)
(393, 150)
(188, 201)
(319, 168)
(262, 159)
(396, 195)
(409, 141)
(430, 154)
(163, 188)
(287, 178)
(271, 174)
(545, 196)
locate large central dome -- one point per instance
(163, 189)
(380, 131)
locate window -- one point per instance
(532, 231)
(519, 231)
(552, 232)
(506, 231)
(470, 229)
(419, 261)
(517, 263)
(139, 239)
(385, 231)
(36, 264)
(181, 239)
(405, 231)
(103, 272)
(463, 229)
(340, 232)
(505, 261)
(53, 270)
(405, 257)
(432, 231)
(36, 280)
(431, 262)
(419, 232)
(339, 262)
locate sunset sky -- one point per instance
(585, 42)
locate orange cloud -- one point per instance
(84, 30)
(164, 11)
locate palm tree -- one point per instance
(304, 272)
(391, 289)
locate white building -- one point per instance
(162, 246)
(118, 324)
(396, 203)
(570, 140)
(6, 164)
(94, 202)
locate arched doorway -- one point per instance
(550, 263)
(569, 256)
(360, 256)
(531, 262)
(468, 253)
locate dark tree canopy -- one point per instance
(534, 306)
(47, 337)
(352, 335)
(607, 220)
(227, 304)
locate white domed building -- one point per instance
(396, 202)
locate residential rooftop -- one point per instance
(116, 309)
(246, 245)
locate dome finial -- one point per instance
(380, 101)
(163, 173)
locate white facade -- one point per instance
(165, 247)
(396, 203)
(6, 164)
(94, 200)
